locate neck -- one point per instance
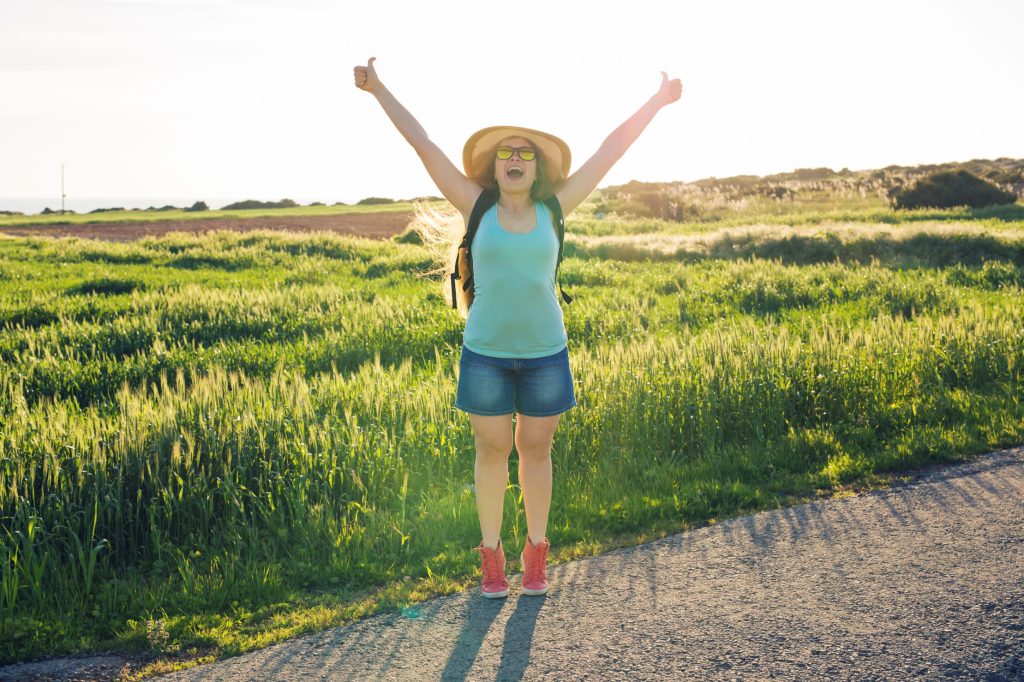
(515, 202)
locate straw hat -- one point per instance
(477, 154)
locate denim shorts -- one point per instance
(535, 387)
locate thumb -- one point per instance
(369, 64)
(664, 77)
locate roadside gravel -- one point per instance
(921, 581)
(924, 580)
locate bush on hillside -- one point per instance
(252, 203)
(198, 206)
(658, 200)
(804, 174)
(778, 192)
(374, 201)
(949, 189)
(409, 236)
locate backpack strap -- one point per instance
(486, 199)
(484, 202)
(556, 210)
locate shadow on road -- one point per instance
(878, 581)
(515, 650)
(479, 615)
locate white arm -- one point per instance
(580, 184)
(454, 186)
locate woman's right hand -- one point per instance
(366, 76)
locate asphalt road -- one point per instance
(921, 581)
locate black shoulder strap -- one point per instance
(556, 210)
(486, 199)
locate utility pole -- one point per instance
(62, 195)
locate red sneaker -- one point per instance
(494, 584)
(535, 570)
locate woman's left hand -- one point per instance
(670, 90)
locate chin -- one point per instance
(511, 186)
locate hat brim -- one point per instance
(476, 154)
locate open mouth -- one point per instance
(514, 173)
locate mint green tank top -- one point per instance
(515, 311)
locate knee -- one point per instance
(533, 449)
(493, 447)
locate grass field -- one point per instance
(208, 444)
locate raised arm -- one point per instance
(456, 187)
(580, 184)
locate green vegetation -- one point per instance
(805, 190)
(949, 189)
(204, 431)
(927, 244)
(253, 203)
(211, 443)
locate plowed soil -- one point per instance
(370, 225)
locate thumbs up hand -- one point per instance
(670, 90)
(366, 76)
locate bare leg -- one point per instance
(533, 439)
(493, 436)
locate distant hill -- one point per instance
(806, 187)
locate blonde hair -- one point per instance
(442, 230)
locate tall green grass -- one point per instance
(209, 444)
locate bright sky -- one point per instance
(254, 98)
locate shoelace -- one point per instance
(536, 570)
(491, 567)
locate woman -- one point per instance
(515, 359)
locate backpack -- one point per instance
(488, 198)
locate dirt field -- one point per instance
(371, 225)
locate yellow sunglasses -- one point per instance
(525, 153)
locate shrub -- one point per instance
(105, 286)
(198, 206)
(949, 189)
(409, 236)
(649, 203)
(252, 203)
(778, 192)
(805, 174)
(374, 201)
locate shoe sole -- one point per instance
(495, 595)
